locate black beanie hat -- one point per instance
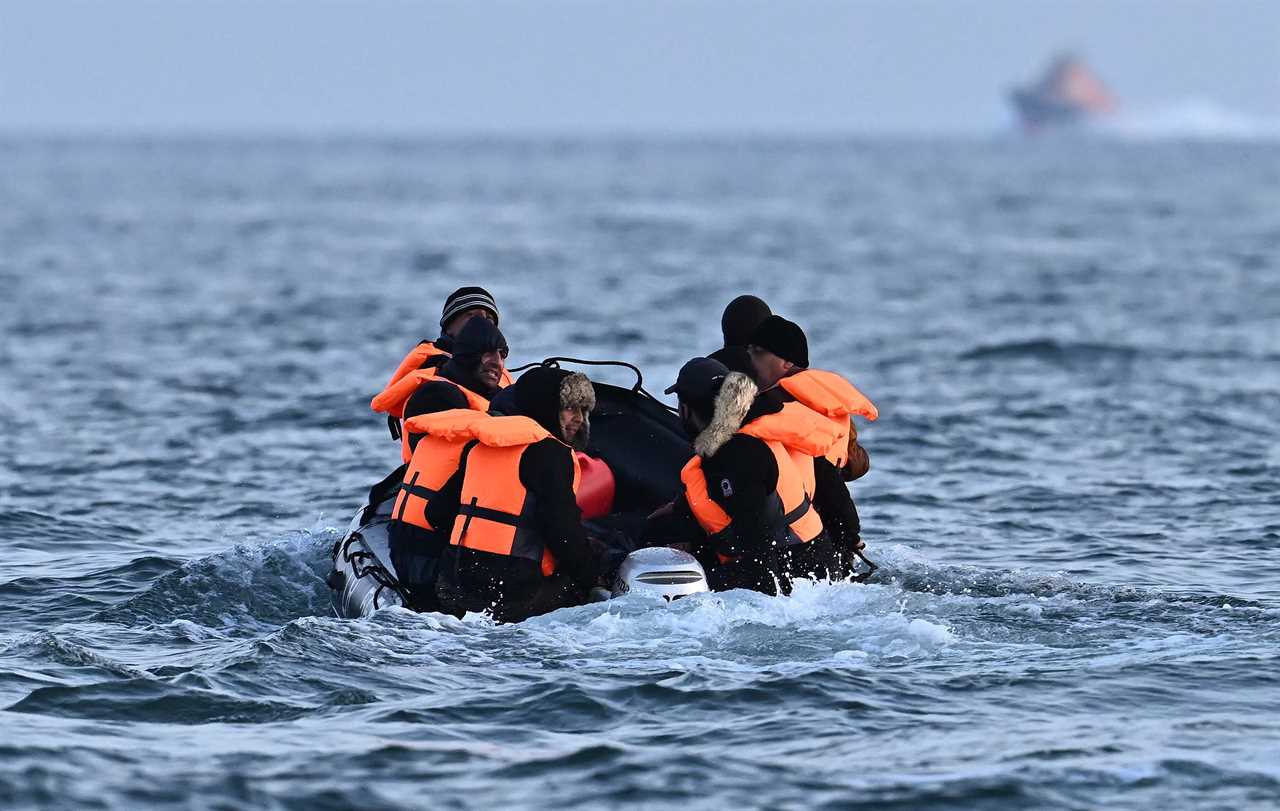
(741, 317)
(464, 298)
(783, 338)
(478, 336)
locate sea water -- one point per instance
(1074, 494)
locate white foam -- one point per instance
(1191, 118)
(819, 622)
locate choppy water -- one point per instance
(1075, 489)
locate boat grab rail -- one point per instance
(379, 575)
(638, 388)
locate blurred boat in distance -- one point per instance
(1067, 94)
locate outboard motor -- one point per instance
(660, 570)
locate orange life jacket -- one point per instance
(833, 397)
(413, 361)
(434, 460)
(395, 397)
(423, 352)
(804, 433)
(791, 516)
(495, 509)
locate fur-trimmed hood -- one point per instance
(576, 391)
(732, 403)
(543, 391)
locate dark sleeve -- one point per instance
(677, 527)
(546, 470)
(434, 362)
(736, 358)
(504, 402)
(434, 396)
(740, 478)
(443, 507)
(834, 504)
(430, 398)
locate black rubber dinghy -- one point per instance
(637, 436)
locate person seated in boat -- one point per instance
(467, 379)
(779, 353)
(415, 543)
(517, 547)
(739, 320)
(460, 308)
(741, 489)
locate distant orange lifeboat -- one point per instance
(1067, 94)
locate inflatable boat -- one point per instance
(636, 436)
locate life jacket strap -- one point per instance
(785, 530)
(417, 489)
(795, 515)
(474, 510)
(411, 488)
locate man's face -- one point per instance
(689, 420)
(458, 321)
(489, 373)
(572, 421)
(769, 367)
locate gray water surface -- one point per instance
(1075, 493)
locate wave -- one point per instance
(256, 589)
(1050, 349)
(149, 700)
(249, 588)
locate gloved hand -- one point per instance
(610, 549)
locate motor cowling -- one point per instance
(661, 570)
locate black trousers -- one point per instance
(475, 582)
(415, 552)
(814, 560)
(746, 573)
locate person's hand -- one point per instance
(608, 559)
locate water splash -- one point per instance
(249, 587)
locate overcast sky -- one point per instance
(608, 65)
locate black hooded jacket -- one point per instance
(742, 475)
(546, 471)
(478, 336)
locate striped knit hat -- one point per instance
(464, 298)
